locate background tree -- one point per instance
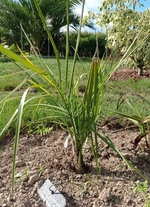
(11, 14)
(123, 23)
(14, 13)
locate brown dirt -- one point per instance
(112, 186)
(126, 73)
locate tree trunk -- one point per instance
(140, 71)
(140, 65)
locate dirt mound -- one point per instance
(129, 73)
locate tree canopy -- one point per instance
(123, 23)
(23, 12)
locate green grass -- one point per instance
(11, 75)
(117, 91)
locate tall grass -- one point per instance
(78, 112)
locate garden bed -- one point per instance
(113, 185)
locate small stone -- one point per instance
(19, 163)
(38, 184)
(105, 194)
(4, 205)
(25, 179)
(33, 191)
(129, 202)
(2, 190)
(34, 172)
(10, 198)
(3, 170)
(33, 179)
(127, 156)
(47, 171)
(1, 196)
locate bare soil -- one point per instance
(113, 185)
(126, 73)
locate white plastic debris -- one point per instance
(51, 196)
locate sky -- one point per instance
(146, 5)
(92, 5)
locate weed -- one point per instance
(137, 117)
(41, 130)
(142, 187)
(41, 170)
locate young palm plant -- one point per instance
(137, 118)
(80, 113)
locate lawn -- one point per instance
(11, 75)
(41, 145)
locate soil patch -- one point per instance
(126, 73)
(112, 186)
(46, 156)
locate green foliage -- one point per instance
(87, 44)
(4, 59)
(41, 170)
(138, 118)
(122, 24)
(113, 91)
(127, 89)
(14, 48)
(27, 16)
(42, 130)
(143, 188)
(79, 113)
